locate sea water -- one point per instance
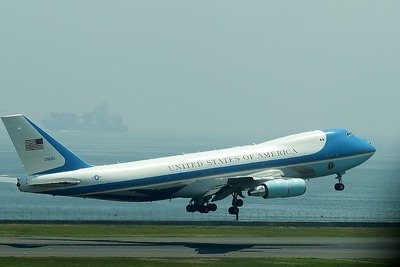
(371, 193)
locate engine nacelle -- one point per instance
(279, 188)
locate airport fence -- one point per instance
(245, 215)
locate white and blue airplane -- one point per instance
(273, 169)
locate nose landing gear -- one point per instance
(339, 186)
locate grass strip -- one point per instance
(186, 262)
(101, 230)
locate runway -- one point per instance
(299, 247)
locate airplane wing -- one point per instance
(239, 184)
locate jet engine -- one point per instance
(279, 188)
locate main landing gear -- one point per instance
(236, 203)
(200, 205)
(339, 186)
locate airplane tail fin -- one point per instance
(39, 152)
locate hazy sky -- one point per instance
(247, 67)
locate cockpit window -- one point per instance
(349, 133)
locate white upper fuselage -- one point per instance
(305, 155)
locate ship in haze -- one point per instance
(96, 120)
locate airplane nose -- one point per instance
(369, 147)
(373, 149)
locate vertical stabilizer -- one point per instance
(39, 152)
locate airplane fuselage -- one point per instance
(305, 155)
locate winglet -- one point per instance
(39, 152)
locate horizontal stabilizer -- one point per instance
(56, 183)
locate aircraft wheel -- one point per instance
(230, 210)
(204, 209)
(190, 208)
(339, 187)
(236, 210)
(212, 207)
(239, 203)
(233, 210)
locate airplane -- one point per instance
(272, 169)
